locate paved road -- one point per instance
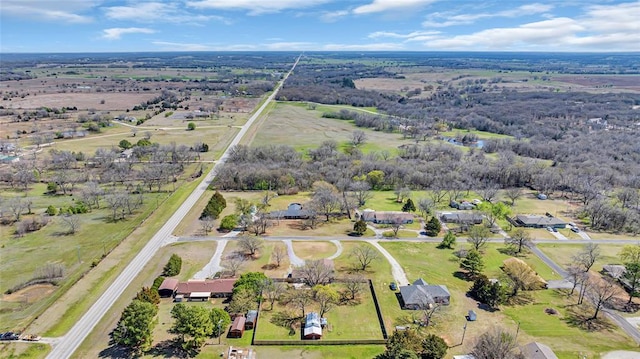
(77, 334)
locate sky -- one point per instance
(319, 25)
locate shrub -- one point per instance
(191, 126)
(173, 266)
(157, 282)
(51, 210)
(215, 205)
(229, 222)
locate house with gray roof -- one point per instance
(420, 295)
(293, 211)
(532, 221)
(461, 217)
(535, 350)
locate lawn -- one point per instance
(426, 261)
(314, 250)
(345, 321)
(562, 253)
(297, 126)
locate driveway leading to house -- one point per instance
(396, 269)
(293, 258)
(83, 327)
(338, 251)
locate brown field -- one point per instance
(119, 101)
(31, 293)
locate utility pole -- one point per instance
(517, 330)
(219, 334)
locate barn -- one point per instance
(237, 328)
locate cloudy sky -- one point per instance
(321, 25)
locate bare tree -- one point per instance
(259, 224)
(17, 206)
(316, 272)
(519, 239)
(587, 257)
(425, 205)
(250, 244)
(207, 224)
(233, 263)
(325, 198)
(299, 299)
(354, 285)
(272, 291)
(91, 194)
(72, 222)
(600, 291)
(396, 224)
(361, 191)
(358, 138)
(279, 253)
(513, 194)
(478, 237)
(364, 255)
(488, 192)
(577, 276)
(628, 197)
(437, 193)
(496, 344)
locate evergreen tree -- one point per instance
(433, 347)
(473, 263)
(432, 228)
(449, 241)
(409, 206)
(220, 319)
(173, 266)
(360, 227)
(135, 327)
(148, 295)
(214, 207)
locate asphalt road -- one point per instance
(68, 344)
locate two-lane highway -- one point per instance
(77, 334)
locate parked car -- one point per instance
(9, 336)
(575, 229)
(554, 229)
(549, 229)
(393, 286)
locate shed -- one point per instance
(178, 298)
(237, 328)
(312, 327)
(252, 318)
(167, 287)
(471, 316)
(535, 350)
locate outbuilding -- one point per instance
(168, 287)
(252, 318)
(237, 328)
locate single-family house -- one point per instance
(293, 211)
(252, 318)
(390, 217)
(197, 288)
(237, 328)
(468, 218)
(535, 221)
(420, 295)
(535, 350)
(168, 287)
(312, 327)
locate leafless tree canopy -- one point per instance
(587, 257)
(316, 272)
(233, 263)
(72, 222)
(478, 237)
(600, 291)
(496, 344)
(207, 223)
(364, 255)
(250, 244)
(358, 138)
(279, 254)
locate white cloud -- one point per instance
(333, 15)
(149, 12)
(62, 11)
(461, 19)
(289, 46)
(408, 37)
(178, 46)
(363, 47)
(599, 28)
(390, 5)
(255, 7)
(117, 32)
